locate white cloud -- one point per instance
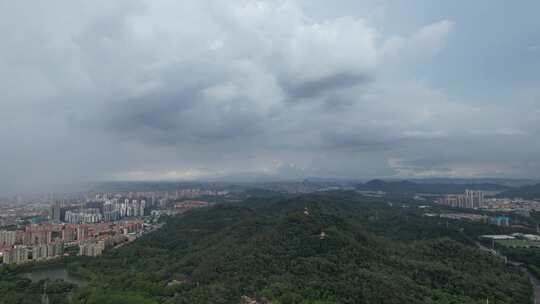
(320, 51)
(429, 39)
(433, 36)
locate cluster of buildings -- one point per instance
(181, 207)
(21, 254)
(83, 216)
(472, 199)
(476, 200)
(196, 192)
(518, 206)
(116, 209)
(31, 235)
(97, 211)
(159, 199)
(34, 243)
(190, 204)
(47, 241)
(36, 232)
(11, 213)
(96, 246)
(464, 216)
(113, 206)
(515, 240)
(502, 221)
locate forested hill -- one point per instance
(408, 187)
(318, 248)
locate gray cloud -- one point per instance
(161, 89)
(319, 86)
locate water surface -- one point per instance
(55, 272)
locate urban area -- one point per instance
(35, 232)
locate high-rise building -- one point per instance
(471, 199)
(84, 216)
(8, 238)
(39, 252)
(16, 255)
(55, 211)
(69, 233)
(91, 248)
(47, 251)
(110, 211)
(37, 235)
(55, 249)
(475, 199)
(82, 233)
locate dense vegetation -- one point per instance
(320, 248)
(528, 256)
(18, 290)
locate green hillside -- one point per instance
(323, 248)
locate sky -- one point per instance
(199, 89)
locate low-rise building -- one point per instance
(503, 221)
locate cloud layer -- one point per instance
(196, 89)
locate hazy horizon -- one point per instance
(282, 89)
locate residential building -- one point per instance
(472, 199)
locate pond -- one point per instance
(54, 272)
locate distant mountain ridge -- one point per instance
(408, 187)
(510, 182)
(525, 192)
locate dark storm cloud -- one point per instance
(317, 87)
(177, 118)
(163, 89)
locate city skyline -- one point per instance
(240, 90)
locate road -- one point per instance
(536, 286)
(535, 283)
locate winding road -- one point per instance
(536, 286)
(534, 281)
